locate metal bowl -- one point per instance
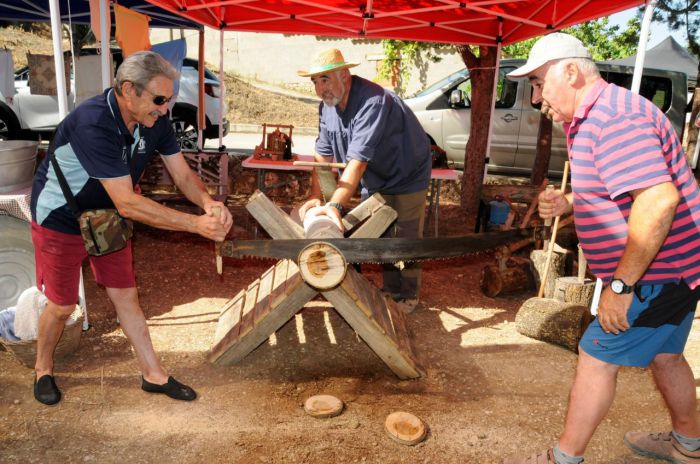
(17, 162)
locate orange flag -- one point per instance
(132, 30)
(95, 18)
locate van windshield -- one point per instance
(445, 83)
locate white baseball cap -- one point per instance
(555, 46)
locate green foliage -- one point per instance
(604, 41)
(409, 54)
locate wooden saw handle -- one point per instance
(550, 249)
(216, 211)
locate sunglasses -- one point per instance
(159, 100)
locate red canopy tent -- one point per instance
(475, 22)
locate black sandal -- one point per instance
(46, 391)
(172, 388)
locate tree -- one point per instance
(684, 15)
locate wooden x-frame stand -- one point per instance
(254, 314)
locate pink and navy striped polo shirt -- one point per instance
(619, 142)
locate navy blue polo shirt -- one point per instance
(378, 128)
(93, 143)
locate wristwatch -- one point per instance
(336, 205)
(620, 287)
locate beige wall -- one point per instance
(275, 58)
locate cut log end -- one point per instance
(322, 265)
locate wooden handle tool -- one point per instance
(320, 164)
(216, 211)
(550, 248)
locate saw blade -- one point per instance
(378, 250)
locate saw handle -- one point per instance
(550, 248)
(216, 212)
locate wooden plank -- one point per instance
(271, 217)
(326, 179)
(369, 299)
(378, 222)
(279, 282)
(263, 304)
(362, 211)
(229, 317)
(299, 293)
(247, 314)
(400, 362)
(402, 335)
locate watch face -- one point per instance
(616, 286)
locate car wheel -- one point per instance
(17, 272)
(9, 129)
(185, 129)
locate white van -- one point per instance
(444, 111)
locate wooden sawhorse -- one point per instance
(254, 314)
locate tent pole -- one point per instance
(104, 45)
(58, 59)
(201, 112)
(222, 88)
(494, 94)
(642, 47)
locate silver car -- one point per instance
(444, 110)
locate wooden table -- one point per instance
(436, 178)
(262, 165)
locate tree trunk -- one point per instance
(692, 128)
(482, 70)
(544, 151)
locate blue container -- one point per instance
(499, 210)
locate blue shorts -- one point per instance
(660, 318)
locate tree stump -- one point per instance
(514, 277)
(556, 269)
(574, 291)
(553, 321)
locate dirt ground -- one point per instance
(488, 391)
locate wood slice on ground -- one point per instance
(405, 428)
(515, 277)
(556, 269)
(553, 321)
(323, 406)
(322, 265)
(571, 290)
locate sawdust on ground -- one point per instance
(487, 391)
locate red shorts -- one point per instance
(59, 257)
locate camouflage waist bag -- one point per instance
(104, 231)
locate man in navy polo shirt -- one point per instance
(102, 149)
(386, 151)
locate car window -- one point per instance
(507, 90)
(445, 83)
(655, 89)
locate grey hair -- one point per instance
(587, 66)
(140, 68)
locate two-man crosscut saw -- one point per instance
(384, 250)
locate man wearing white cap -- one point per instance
(636, 207)
(386, 151)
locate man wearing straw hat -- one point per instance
(636, 207)
(386, 151)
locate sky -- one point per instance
(658, 31)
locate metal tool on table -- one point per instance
(550, 248)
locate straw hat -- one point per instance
(326, 61)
